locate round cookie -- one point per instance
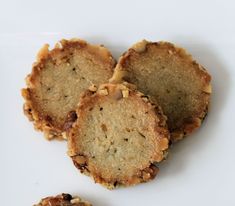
(63, 200)
(118, 136)
(172, 79)
(58, 78)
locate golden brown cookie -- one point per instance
(118, 136)
(57, 79)
(63, 200)
(171, 78)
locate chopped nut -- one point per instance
(35, 116)
(125, 93)
(170, 52)
(58, 45)
(140, 94)
(145, 99)
(103, 92)
(163, 143)
(197, 121)
(49, 136)
(140, 46)
(43, 52)
(71, 153)
(64, 135)
(80, 159)
(92, 88)
(201, 67)
(208, 89)
(165, 154)
(25, 94)
(146, 175)
(75, 200)
(159, 157)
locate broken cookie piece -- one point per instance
(118, 136)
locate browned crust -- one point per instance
(120, 74)
(63, 200)
(43, 122)
(88, 99)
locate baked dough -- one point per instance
(172, 79)
(58, 78)
(118, 136)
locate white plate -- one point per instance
(200, 169)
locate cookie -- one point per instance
(63, 200)
(172, 79)
(58, 78)
(118, 136)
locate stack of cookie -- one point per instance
(118, 119)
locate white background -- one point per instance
(200, 169)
